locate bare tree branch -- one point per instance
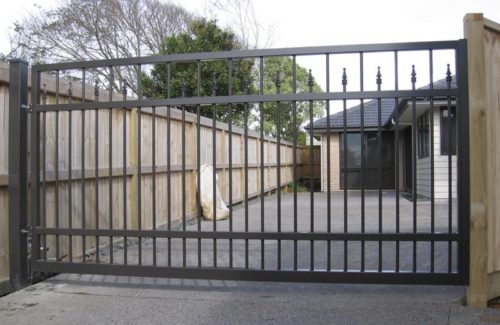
(98, 29)
(244, 20)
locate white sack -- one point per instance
(207, 196)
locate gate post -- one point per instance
(18, 174)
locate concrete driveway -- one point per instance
(95, 299)
(354, 222)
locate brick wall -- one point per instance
(334, 162)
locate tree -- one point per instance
(202, 36)
(243, 18)
(205, 36)
(98, 29)
(282, 67)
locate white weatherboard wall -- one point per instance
(441, 170)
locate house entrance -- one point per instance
(370, 161)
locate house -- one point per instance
(443, 137)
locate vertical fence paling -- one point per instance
(139, 218)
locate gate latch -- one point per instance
(25, 108)
(26, 231)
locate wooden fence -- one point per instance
(483, 38)
(122, 173)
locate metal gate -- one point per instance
(115, 161)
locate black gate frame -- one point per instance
(19, 231)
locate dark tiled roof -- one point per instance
(354, 116)
(370, 111)
(441, 84)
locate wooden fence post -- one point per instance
(478, 278)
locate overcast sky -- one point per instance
(331, 22)
(335, 22)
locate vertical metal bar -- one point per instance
(262, 199)
(44, 173)
(153, 158)
(169, 172)
(110, 160)
(214, 163)
(431, 137)
(278, 165)
(450, 166)
(346, 228)
(245, 122)
(198, 156)
(70, 95)
(363, 144)
(328, 167)
(83, 185)
(70, 183)
(414, 163)
(139, 162)
(96, 167)
(396, 105)
(310, 83)
(183, 175)
(70, 180)
(20, 265)
(379, 167)
(124, 149)
(463, 161)
(230, 131)
(295, 176)
(18, 171)
(56, 181)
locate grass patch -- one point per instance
(300, 188)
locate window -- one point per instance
(371, 163)
(423, 135)
(448, 131)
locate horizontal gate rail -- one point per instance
(301, 97)
(267, 235)
(352, 276)
(299, 51)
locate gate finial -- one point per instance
(154, 89)
(96, 89)
(379, 78)
(70, 92)
(413, 75)
(183, 88)
(124, 90)
(246, 84)
(344, 79)
(277, 82)
(448, 76)
(214, 84)
(44, 94)
(310, 81)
